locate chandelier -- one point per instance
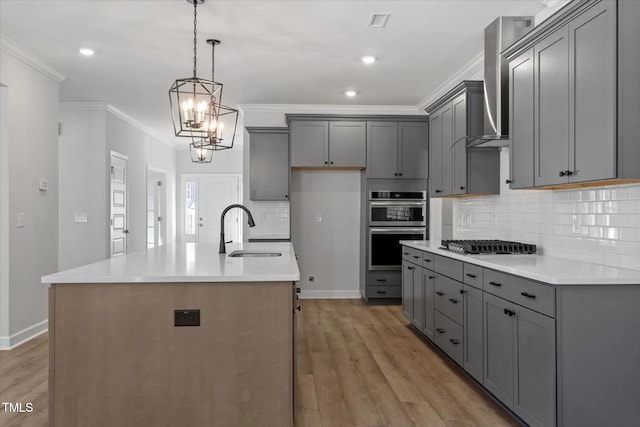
(197, 110)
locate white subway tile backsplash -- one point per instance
(594, 225)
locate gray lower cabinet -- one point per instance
(269, 163)
(326, 143)
(569, 117)
(473, 359)
(418, 298)
(408, 276)
(397, 149)
(428, 280)
(519, 352)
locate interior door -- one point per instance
(118, 203)
(214, 194)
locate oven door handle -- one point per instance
(412, 204)
(397, 230)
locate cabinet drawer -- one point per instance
(473, 275)
(384, 278)
(449, 267)
(530, 294)
(412, 255)
(384, 291)
(449, 337)
(448, 298)
(427, 260)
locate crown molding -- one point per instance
(139, 125)
(329, 109)
(14, 49)
(472, 67)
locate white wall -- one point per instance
(142, 150)
(329, 248)
(600, 225)
(32, 101)
(83, 178)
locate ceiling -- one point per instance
(272, 52)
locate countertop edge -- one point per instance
(544, 279)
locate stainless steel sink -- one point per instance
(236, 254)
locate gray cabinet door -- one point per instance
(412, 150)
(447, 151)
(521, 104)
(435, 154)
(535, 374)
(592, 94)
(428, 278)
(269, 166)
(473, 357)
(418, 298)
(309, 143)
(459, 145)
(347, 144)
(499, 338)
(382, 149)
(552, 109)
(407, 289)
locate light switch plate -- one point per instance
(21, 220)
(81, 217)
(44, 185)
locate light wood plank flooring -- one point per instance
(357, 365)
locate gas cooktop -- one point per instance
(495, 247)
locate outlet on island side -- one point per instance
(186, 317)
(311, 279)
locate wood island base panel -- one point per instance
(116, 357)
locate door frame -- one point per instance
(4, 216)
(160, 228)
(124, 157)
(180, 235)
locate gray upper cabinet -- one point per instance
(309, 143)
(323, 143)
(578, 66)
(456, 169)
(269, 163)
(397, 149)
(347, 144)
(382, 150)
(521, 105)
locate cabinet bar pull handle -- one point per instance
(381, 292)
(439, 293)
(507, 181)
(440, 330)
(438, 191)
(409, 267)
(405, 253)
(299, 308)
(473, 276)
(432, 277)
(569, 173)
(462, 292)
(509, 312)
(528, 295)
(381, 280)
(495, 284)
(461, 187)
(427, 260)
(415, 256)
(454, 341)
(453, 300)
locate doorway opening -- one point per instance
(156, 207)
(118, 205)
(203, 198)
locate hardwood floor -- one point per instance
(356, 365)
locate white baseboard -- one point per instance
(311, 294)
(20, 337)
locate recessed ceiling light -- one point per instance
(85, 51)
(350, 93)
(368, 59)
(379, 20)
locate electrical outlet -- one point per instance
(186, 317)
(311, 279)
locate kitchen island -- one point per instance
(176, 335)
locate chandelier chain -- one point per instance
(195, 37)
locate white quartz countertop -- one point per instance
(188, 262)
(547, 269)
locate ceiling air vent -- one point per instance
(379, 20)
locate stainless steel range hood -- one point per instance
(499, 35)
